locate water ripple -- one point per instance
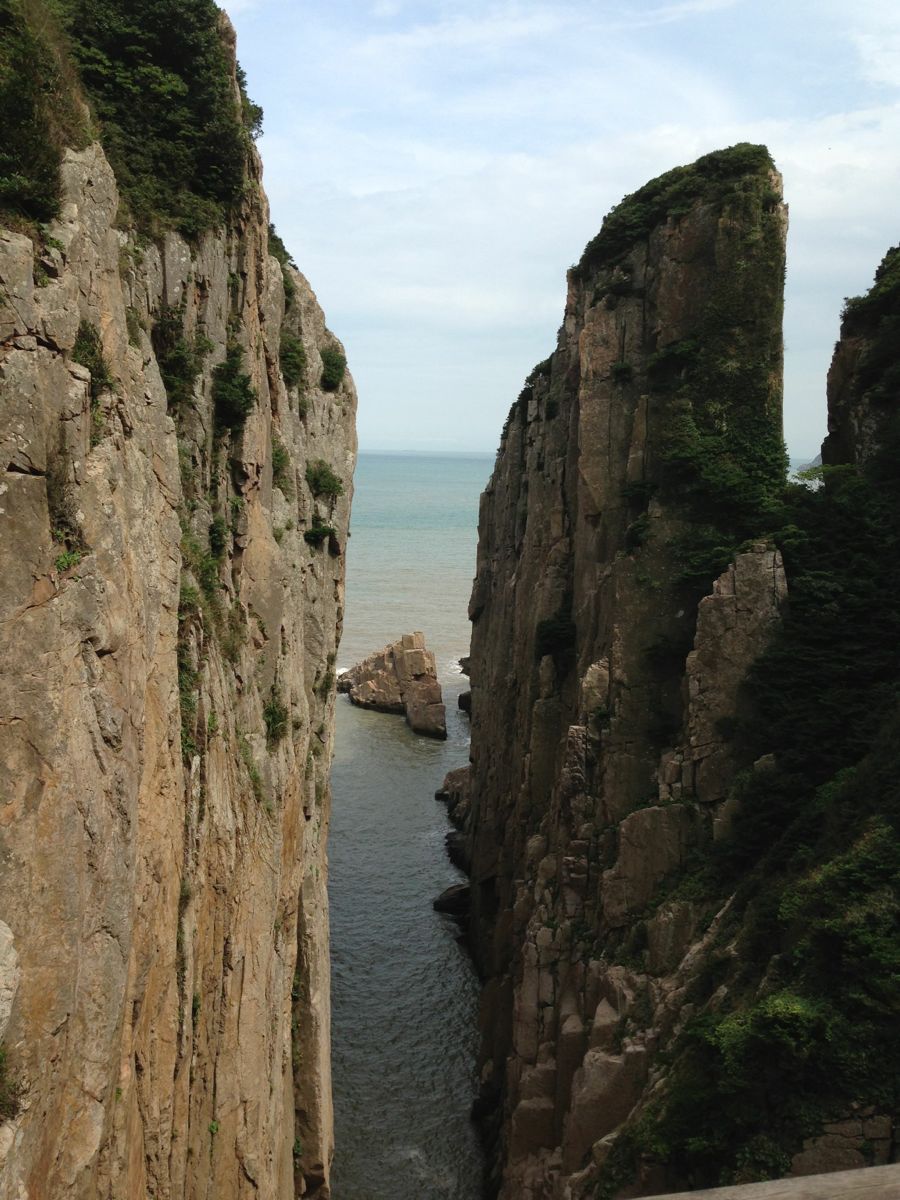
(404, 996)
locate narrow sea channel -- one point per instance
(404, 995)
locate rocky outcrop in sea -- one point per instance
(401, 678)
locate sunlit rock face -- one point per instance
(166, 702)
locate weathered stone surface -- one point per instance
(401, 678)
(9, 975)
(669, 934)
(532, 1127)
(652, 842)
(734, 625)
(164, 872)
(455, 792)
(604, 1092)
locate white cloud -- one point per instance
(435, 182)
(681, 11)
(880, 55)
(491, 31)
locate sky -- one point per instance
(434, 166)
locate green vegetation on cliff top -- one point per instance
(714, 178)
(41, 111)
(157, 77)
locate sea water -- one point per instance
(404, 994)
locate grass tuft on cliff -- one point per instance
(714, 179)
(10, 1091)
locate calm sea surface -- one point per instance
(404, 996)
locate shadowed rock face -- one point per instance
(165, 718)
(401, 678)
(606, 664)
(863, 377)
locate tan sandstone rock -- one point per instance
(164, 977)
(401, 678)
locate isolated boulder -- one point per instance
(401, 678)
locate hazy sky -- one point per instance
(436, 165)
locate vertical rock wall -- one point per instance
(600, 693)
(166, 698)
(862, 379)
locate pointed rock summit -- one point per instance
(401, 678)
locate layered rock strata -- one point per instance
(166, 702)
(602, 691)
(401, 678)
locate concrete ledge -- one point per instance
(874, 1183)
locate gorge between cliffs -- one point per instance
(675, 796)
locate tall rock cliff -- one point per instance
(178, 448)
(679, 813)
(598, 762)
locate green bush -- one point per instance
(334, 364)
(218, 538)
(232, 393)
(318, 532)
(159, 80)
(282, 471)
(11, 1091)
(67, 560)
(322, 480)
(188, 686)
(275, 718)
(637, 532)
(278, 250)
(622, 372)
(251, 113)
(292, 358)
(41, 112)
(180, 358)
(88, 352)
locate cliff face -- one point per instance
(599, 757)
(681, 812)
(166, 702)
(863, 379)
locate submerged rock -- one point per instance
(454, 901)
(401, 678)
